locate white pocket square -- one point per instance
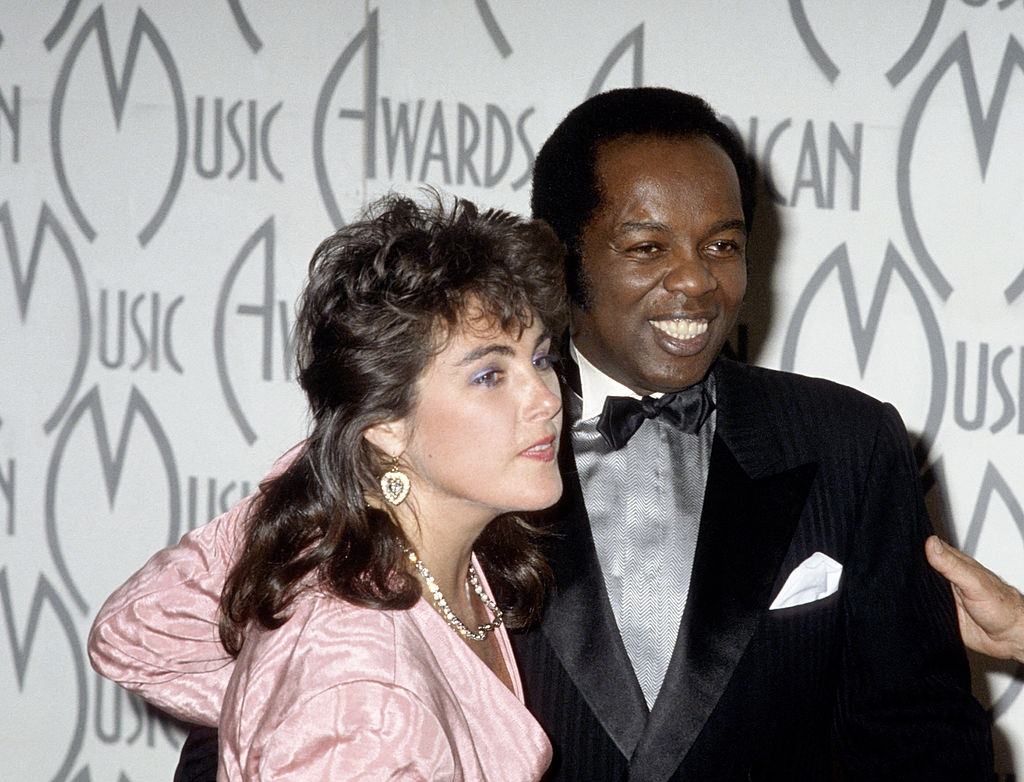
(815, 578)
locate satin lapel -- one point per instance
(579, 623)
(746, 528)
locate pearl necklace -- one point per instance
(447, 614)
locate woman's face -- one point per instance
(483, 437)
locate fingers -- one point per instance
(935, 545)
(969, 578)
(962, 571)
(990, 612)
(943, 557)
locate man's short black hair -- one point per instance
(565, 187)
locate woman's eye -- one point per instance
(545, 361)
(489, 377)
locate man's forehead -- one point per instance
(639, 170)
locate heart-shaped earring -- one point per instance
(394, 484)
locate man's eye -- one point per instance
(724, 247)
(646, 249)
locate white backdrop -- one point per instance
(166, 169)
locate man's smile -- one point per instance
(681, 328)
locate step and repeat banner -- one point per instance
(166, 169)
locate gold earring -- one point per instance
(394, 484)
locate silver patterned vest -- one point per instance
(644, 502)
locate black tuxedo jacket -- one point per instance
(868, 683)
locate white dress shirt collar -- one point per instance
(597, 386)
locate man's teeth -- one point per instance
(681, 329)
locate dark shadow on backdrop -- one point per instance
(747, 341)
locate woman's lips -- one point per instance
(541, 451)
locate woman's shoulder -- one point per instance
(326, 678)
(328, 639)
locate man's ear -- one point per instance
(390, 437)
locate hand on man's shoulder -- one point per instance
(990, 611)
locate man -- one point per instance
(789, 482)
(740, 586)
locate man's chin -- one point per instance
(680, 372)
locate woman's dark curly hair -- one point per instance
(383, 296)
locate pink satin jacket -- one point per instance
(338, 692)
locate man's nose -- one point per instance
(690, 274)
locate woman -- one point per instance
(355, 597)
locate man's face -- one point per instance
(663, 262)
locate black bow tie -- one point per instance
(687, 410)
